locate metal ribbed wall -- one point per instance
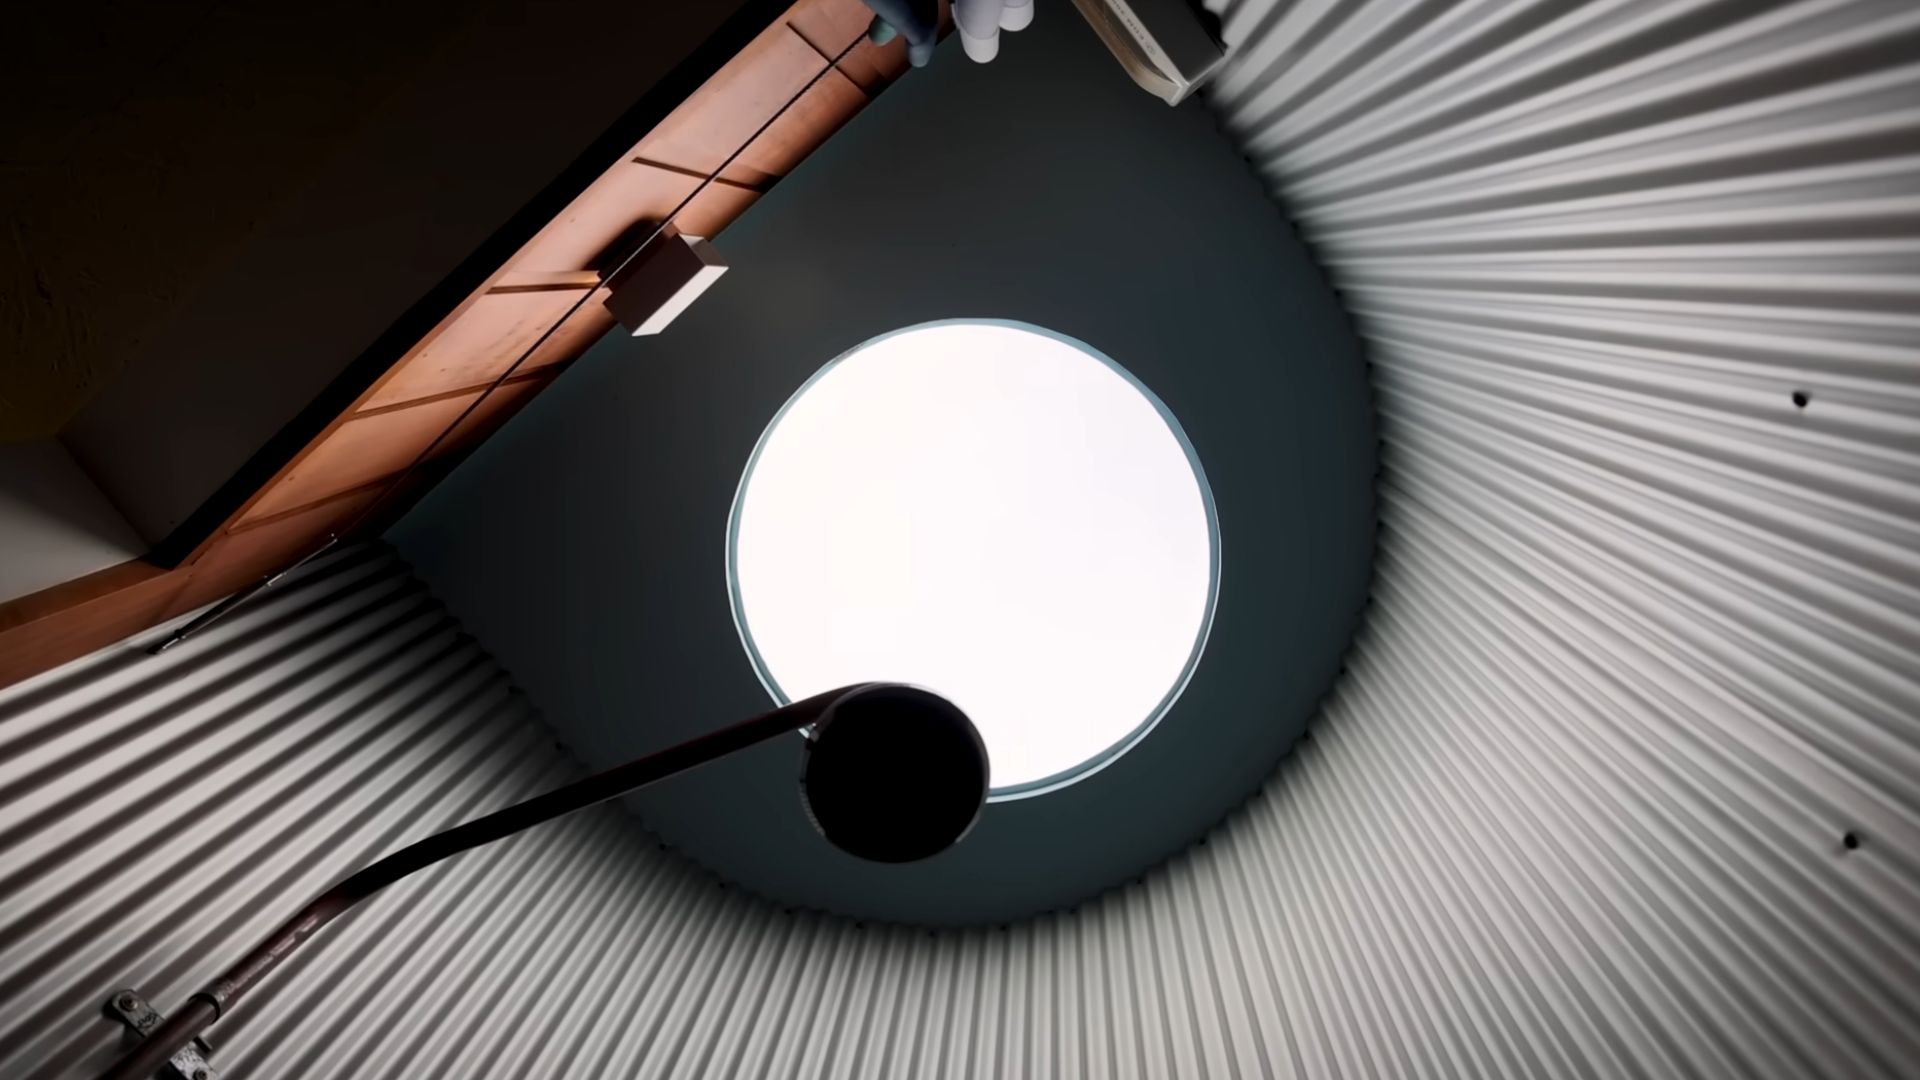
(1645, 642)
(1645, 649)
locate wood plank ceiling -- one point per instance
(540, 309)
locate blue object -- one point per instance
(919, 20)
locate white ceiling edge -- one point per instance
(1642, 654)
(55, 525)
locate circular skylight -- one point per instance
(993, 512)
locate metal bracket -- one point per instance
(141, 1018)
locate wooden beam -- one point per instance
(532, 313)
(540, 280)
(43, 630)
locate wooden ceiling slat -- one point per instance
(874, 67)
(372, 446)
(356, 475)
(518, 280)
(488, 337)
(821, 111)
(828, 25)
(46, 629)
(780, 69)
(724, 114)
(590, 233)
(246, 555)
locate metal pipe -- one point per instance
(219, 611)
(210, 1004)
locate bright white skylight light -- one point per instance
(992, 512)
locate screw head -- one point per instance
(125, 1002)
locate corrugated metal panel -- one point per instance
(159, 813)
(1646, 635)
(1646, 645)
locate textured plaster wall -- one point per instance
(144, 144)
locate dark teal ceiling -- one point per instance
(584, 545)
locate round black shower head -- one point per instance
(893, 773)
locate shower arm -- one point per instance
(160, 1046)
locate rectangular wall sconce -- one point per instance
(661, 281)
